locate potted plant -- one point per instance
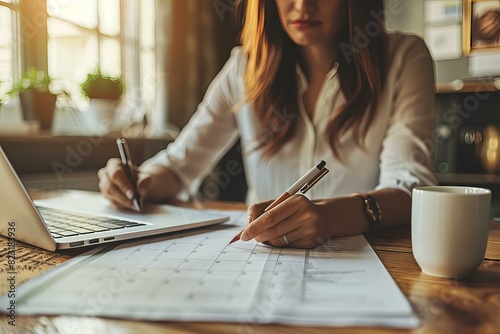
(2, 96)
(37, 101)
(104, 93)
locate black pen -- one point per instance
(129, 171)
(303, 184)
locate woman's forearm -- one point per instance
(348, 214)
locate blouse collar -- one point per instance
(304, 85)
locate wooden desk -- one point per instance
(444, 305)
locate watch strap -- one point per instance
(372, 210)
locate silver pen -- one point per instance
(129, 171)
(306, 182)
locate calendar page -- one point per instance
(198, 276)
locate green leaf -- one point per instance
(101, 86)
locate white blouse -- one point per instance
(398, 147)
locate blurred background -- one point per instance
(163, 54)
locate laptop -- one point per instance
(71, 219)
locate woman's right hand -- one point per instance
(116, 187)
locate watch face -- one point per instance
(372, 210)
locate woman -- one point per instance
(314, 80)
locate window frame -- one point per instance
(100, 35)
(15, 39)
(32, 39)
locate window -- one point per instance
(9, 48)
(79, 39)
(116, 35)
(140, 56)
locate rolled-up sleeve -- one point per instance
(196, 150)
(406, 159)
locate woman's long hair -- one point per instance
(270, 76)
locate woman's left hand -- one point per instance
(296, 222)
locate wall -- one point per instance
(411, 19)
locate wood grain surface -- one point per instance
(445, 306)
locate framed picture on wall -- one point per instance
(481, 25)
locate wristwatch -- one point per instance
(372, 210)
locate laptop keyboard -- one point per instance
(67, 224)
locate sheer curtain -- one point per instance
(195, 41)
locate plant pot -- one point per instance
(38, 106)
(100, 115)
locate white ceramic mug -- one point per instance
(449, 229)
